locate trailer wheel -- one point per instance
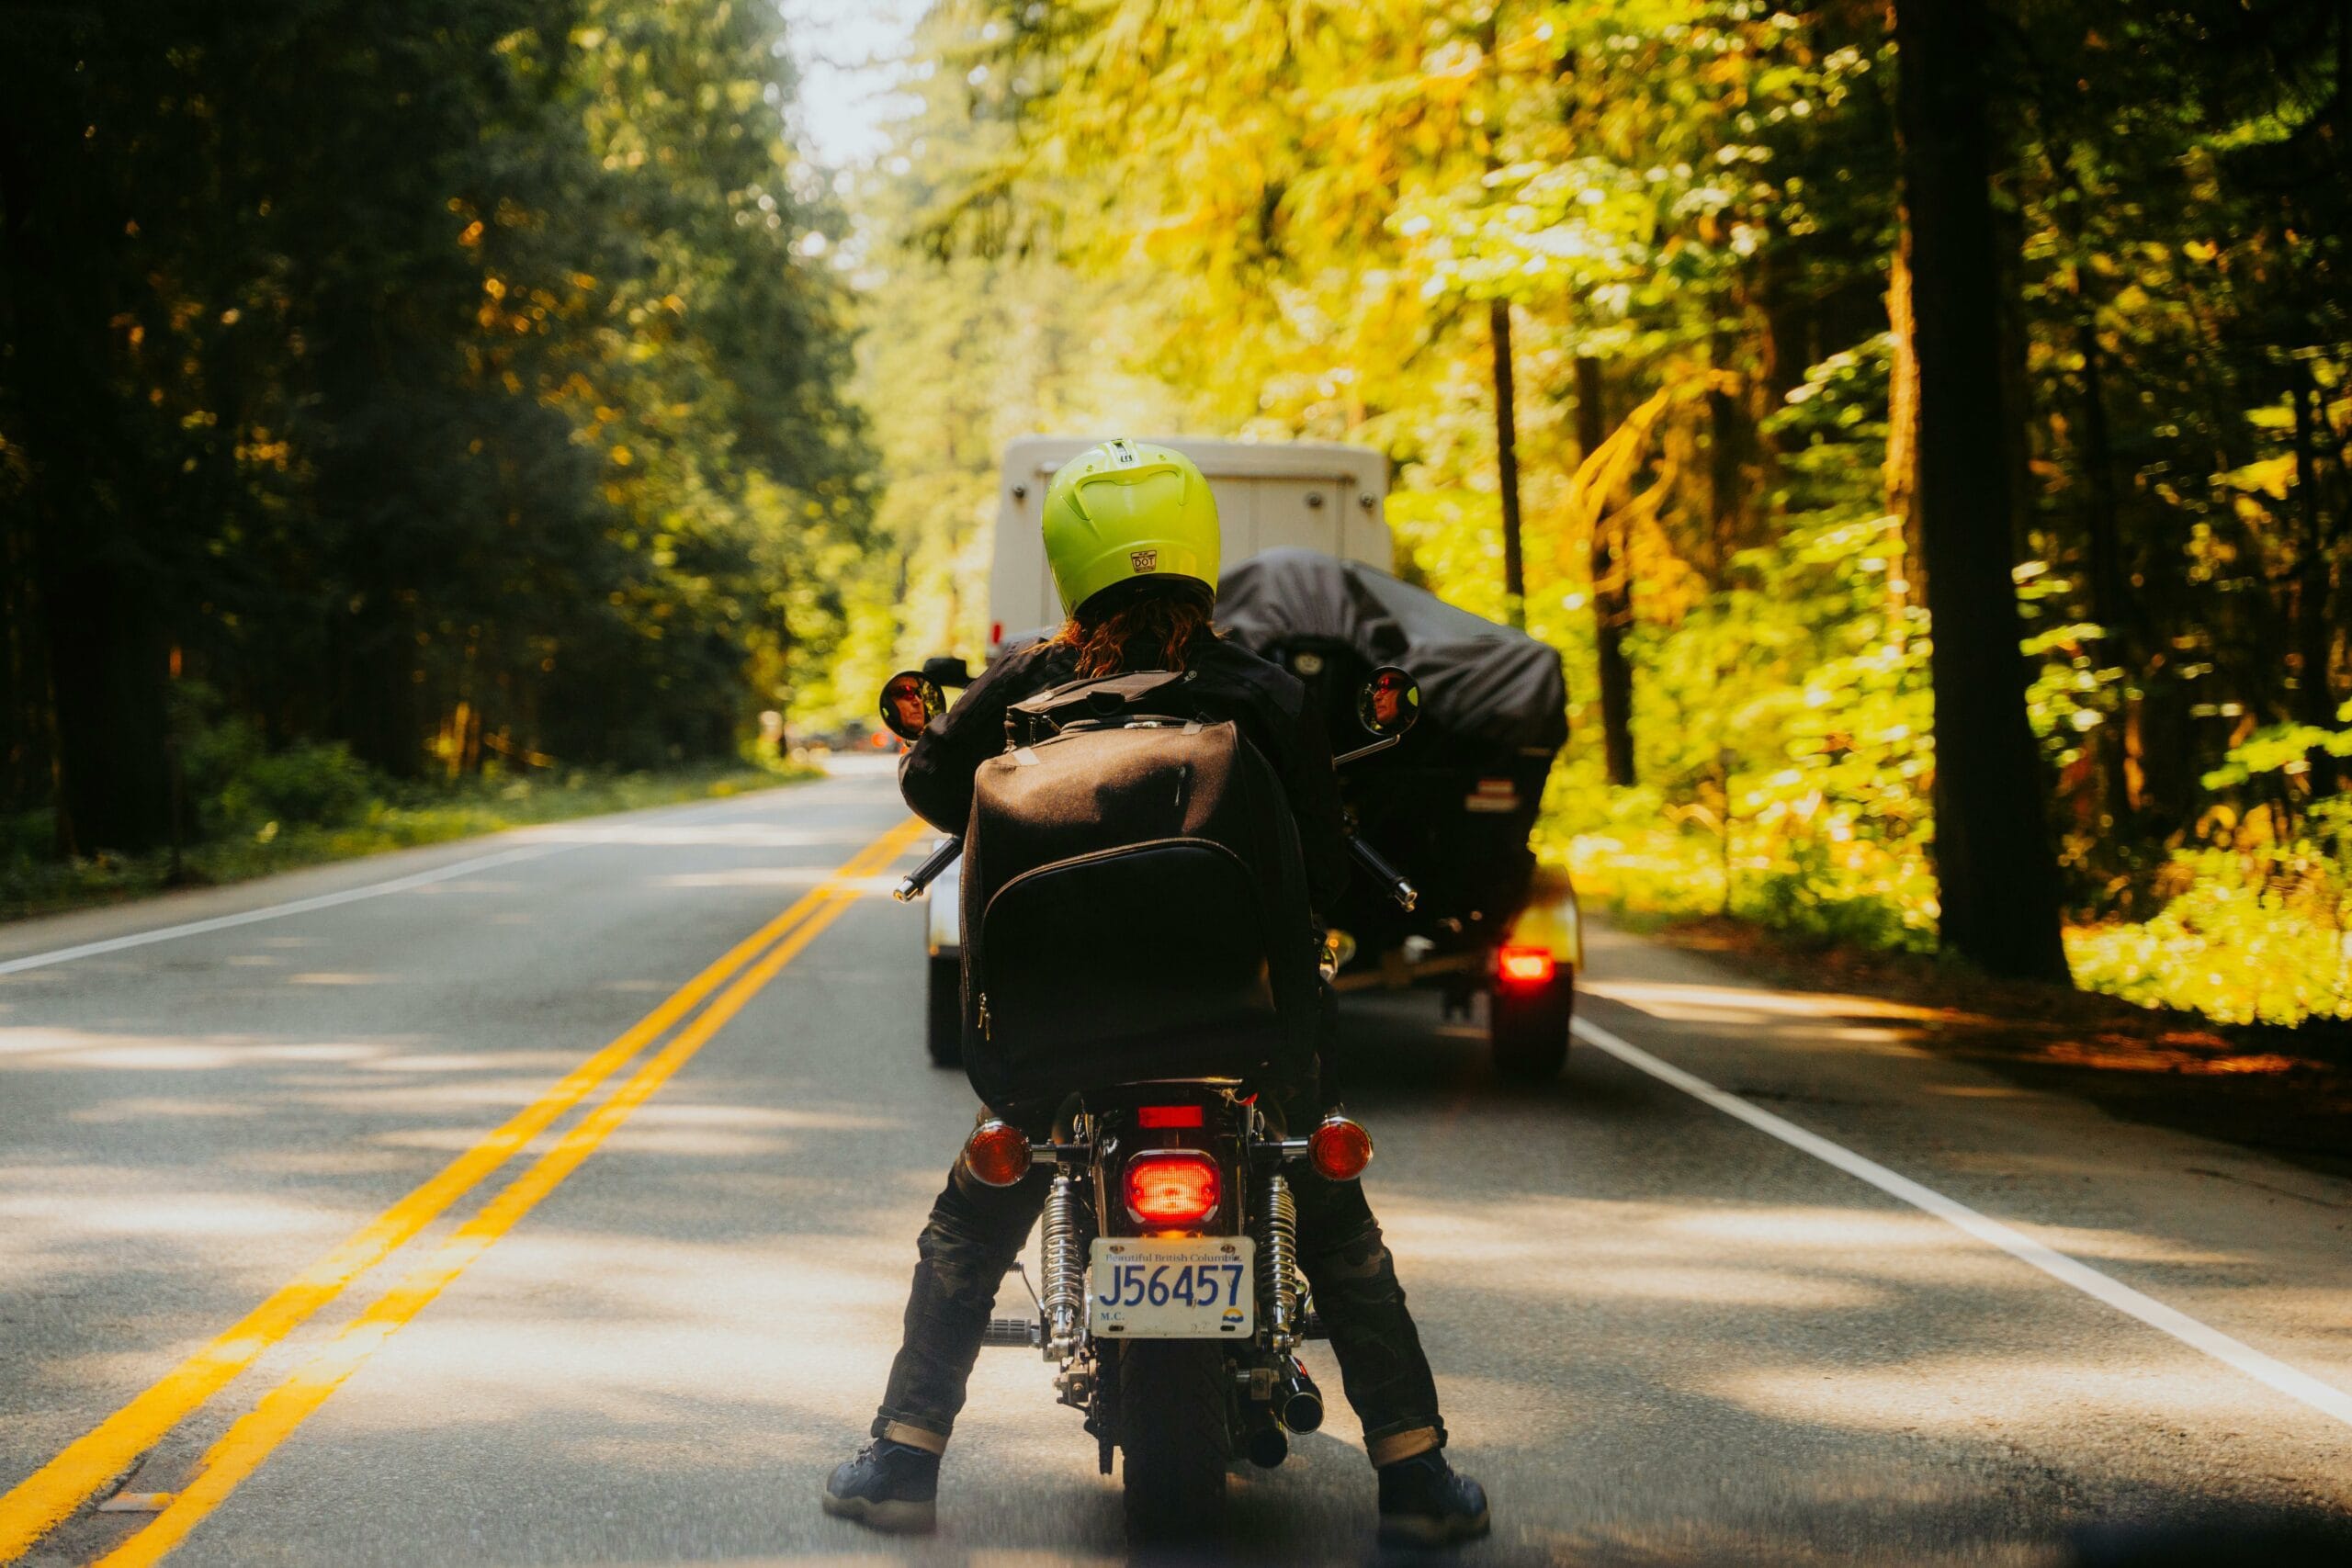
(944, 1012)
(1528, 1028)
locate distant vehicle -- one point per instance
(1316, 495)
(1326, 497)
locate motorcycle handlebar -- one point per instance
(911, 887)
(1403, 892)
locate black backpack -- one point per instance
(1135, 906)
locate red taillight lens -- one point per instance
(1339, 1149)
(997, 1152)
(1526, 965)
(1178, 1189)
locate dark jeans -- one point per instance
(976, 1230)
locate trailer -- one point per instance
(1454, 804)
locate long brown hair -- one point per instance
(1151, 630)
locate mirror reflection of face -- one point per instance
(909, 702)
(1388, 702)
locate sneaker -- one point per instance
(889, 1486)
(1424, 1503)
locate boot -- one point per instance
(889, 1486)
(1424, 1503)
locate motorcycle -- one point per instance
(1169, 1297)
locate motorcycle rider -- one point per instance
(1131, 534)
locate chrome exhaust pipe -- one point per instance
(1297, 1400)
(1265, 1445)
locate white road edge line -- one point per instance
(2296, 1384)
(279, 911)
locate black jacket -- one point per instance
(1263, 698)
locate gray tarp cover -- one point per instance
(1479, 680)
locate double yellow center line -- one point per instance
(50, 1493)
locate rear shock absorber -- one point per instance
(1062, 1268)
(1278, 1250)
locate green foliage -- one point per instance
(1784, 721)
(391, 816)
(1291, 219)
(2256, 937)
(317, 785)
(443, 381)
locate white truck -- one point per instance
(1322, 495)
(1319, 495)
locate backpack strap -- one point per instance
(1109, 702)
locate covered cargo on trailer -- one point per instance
(1454, 804)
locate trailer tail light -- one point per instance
(1174, 1188)
(998, 1153)
(1340, 1148)
(1168, 1116)
(1526, 965)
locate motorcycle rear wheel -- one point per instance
(1173, 1429)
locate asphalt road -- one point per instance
(1663, 1334)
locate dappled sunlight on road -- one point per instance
(140, 1108)
(1681, 1002)
(749, 835)
(2018, 1395)
(23, 1049)
(651, 1332)
(798, 876)
(176, 1216)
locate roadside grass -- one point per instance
(2238, 938)
(2285, 1091)
(33, 881)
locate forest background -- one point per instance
(444, 390)
(1697, 252)
(413, 419)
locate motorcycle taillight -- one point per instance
(1176, 1187)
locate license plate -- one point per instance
(1172, 1287)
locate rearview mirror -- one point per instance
(947, 672)
(910, 701)
(1390, 703)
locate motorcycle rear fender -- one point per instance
(1551, 920)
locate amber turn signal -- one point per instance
(998, 1153)
(1340, 1148)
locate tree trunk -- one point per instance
(1730, 435)
(97, 584)
(107, 659)
(1899, 476)
(1996, 870)
(1612, 598)
(1507, 464)
(2113, 604)
(2314, 634)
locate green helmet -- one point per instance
(1128, 510)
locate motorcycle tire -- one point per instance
(943, 1012)
(1174, 1430)
(1528, 1031)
